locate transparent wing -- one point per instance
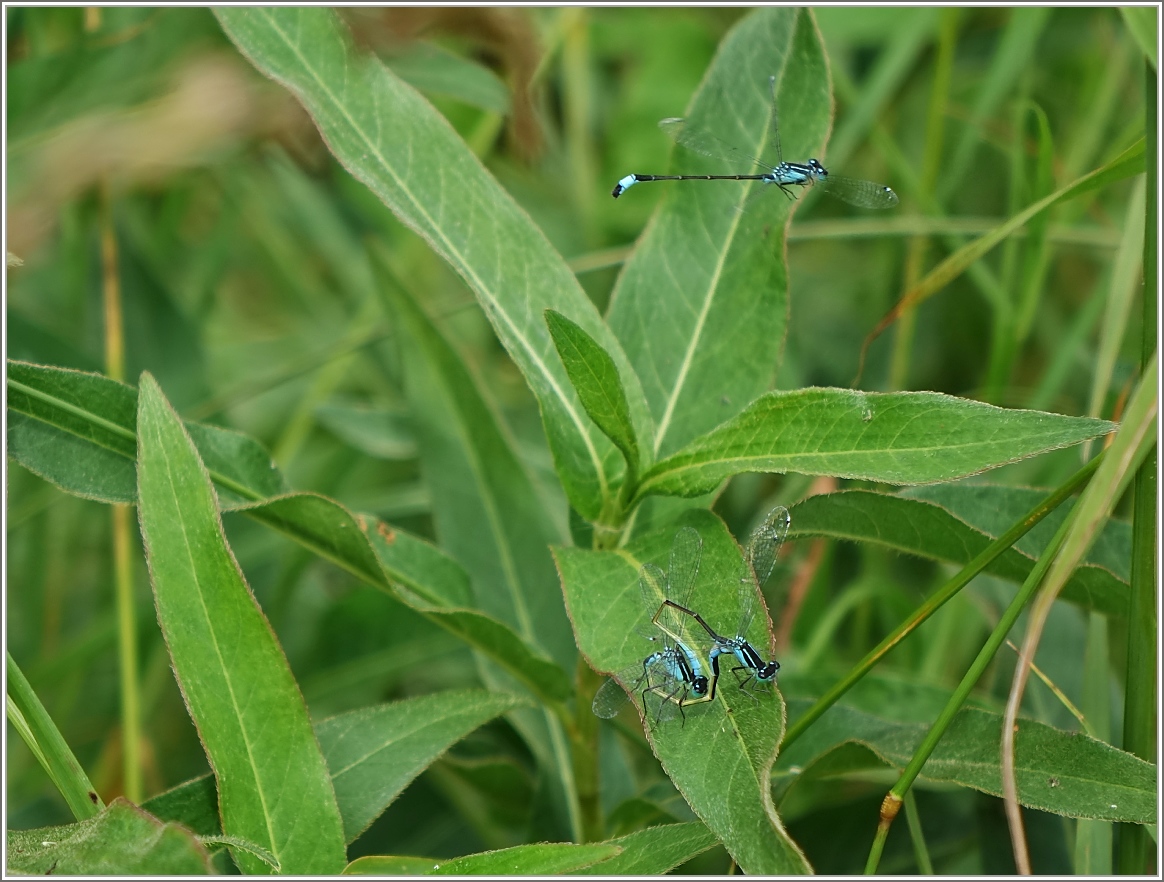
(698, 139)
(747, 600)
(775, 124)
(863, 194)
(686, 550)
(652, 674)
(608, 700)
(649, 632)
(653, 587)
(759, 561)
(765, 542)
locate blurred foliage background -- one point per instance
(241, 248)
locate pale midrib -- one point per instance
(479, 284)
(709, 297)
(253, 765)
(667, 472)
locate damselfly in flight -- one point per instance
(759, 560)
(674, 673)
(863, 194)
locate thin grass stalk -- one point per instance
(1136, 846)
(1134, 439)
(29, 717)
(131, 734)
(968, 572)
(891, 805)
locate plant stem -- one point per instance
(29, 717)
(1136, 848)
(131, 735)
(921, 853)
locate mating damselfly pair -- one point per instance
(863, 194)
(674, 675)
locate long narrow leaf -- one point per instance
(272, 779)
(896, 438)
(595, 377)
(927, 529)
(1067, 773)
(77, 430)
(490, 518)
(701, 307)
(389, 137)
(80, 430)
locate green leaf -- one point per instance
(391, 865)
(237, 843)
(654, 851)
(932, 531)
(390, 138)
(720, 757)
(596, 380)
(193, 804)
(83, 431)
(78, 431)
(416, 573)
(1066, 773)
(542, 859)
(487, 512)
(490, 518)
(702, 305)
(121, 841)
(239, 690)
(993, 508)
(701, 308)
(375, 752)
(894, 437)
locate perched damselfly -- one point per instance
(759, 560)
(862, 194)
(674, 673)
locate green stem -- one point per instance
(892, 802)
(920, 852)
(968, 572)
(29, 717)
(127, 655)
(131, 736)
(1136, 847)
